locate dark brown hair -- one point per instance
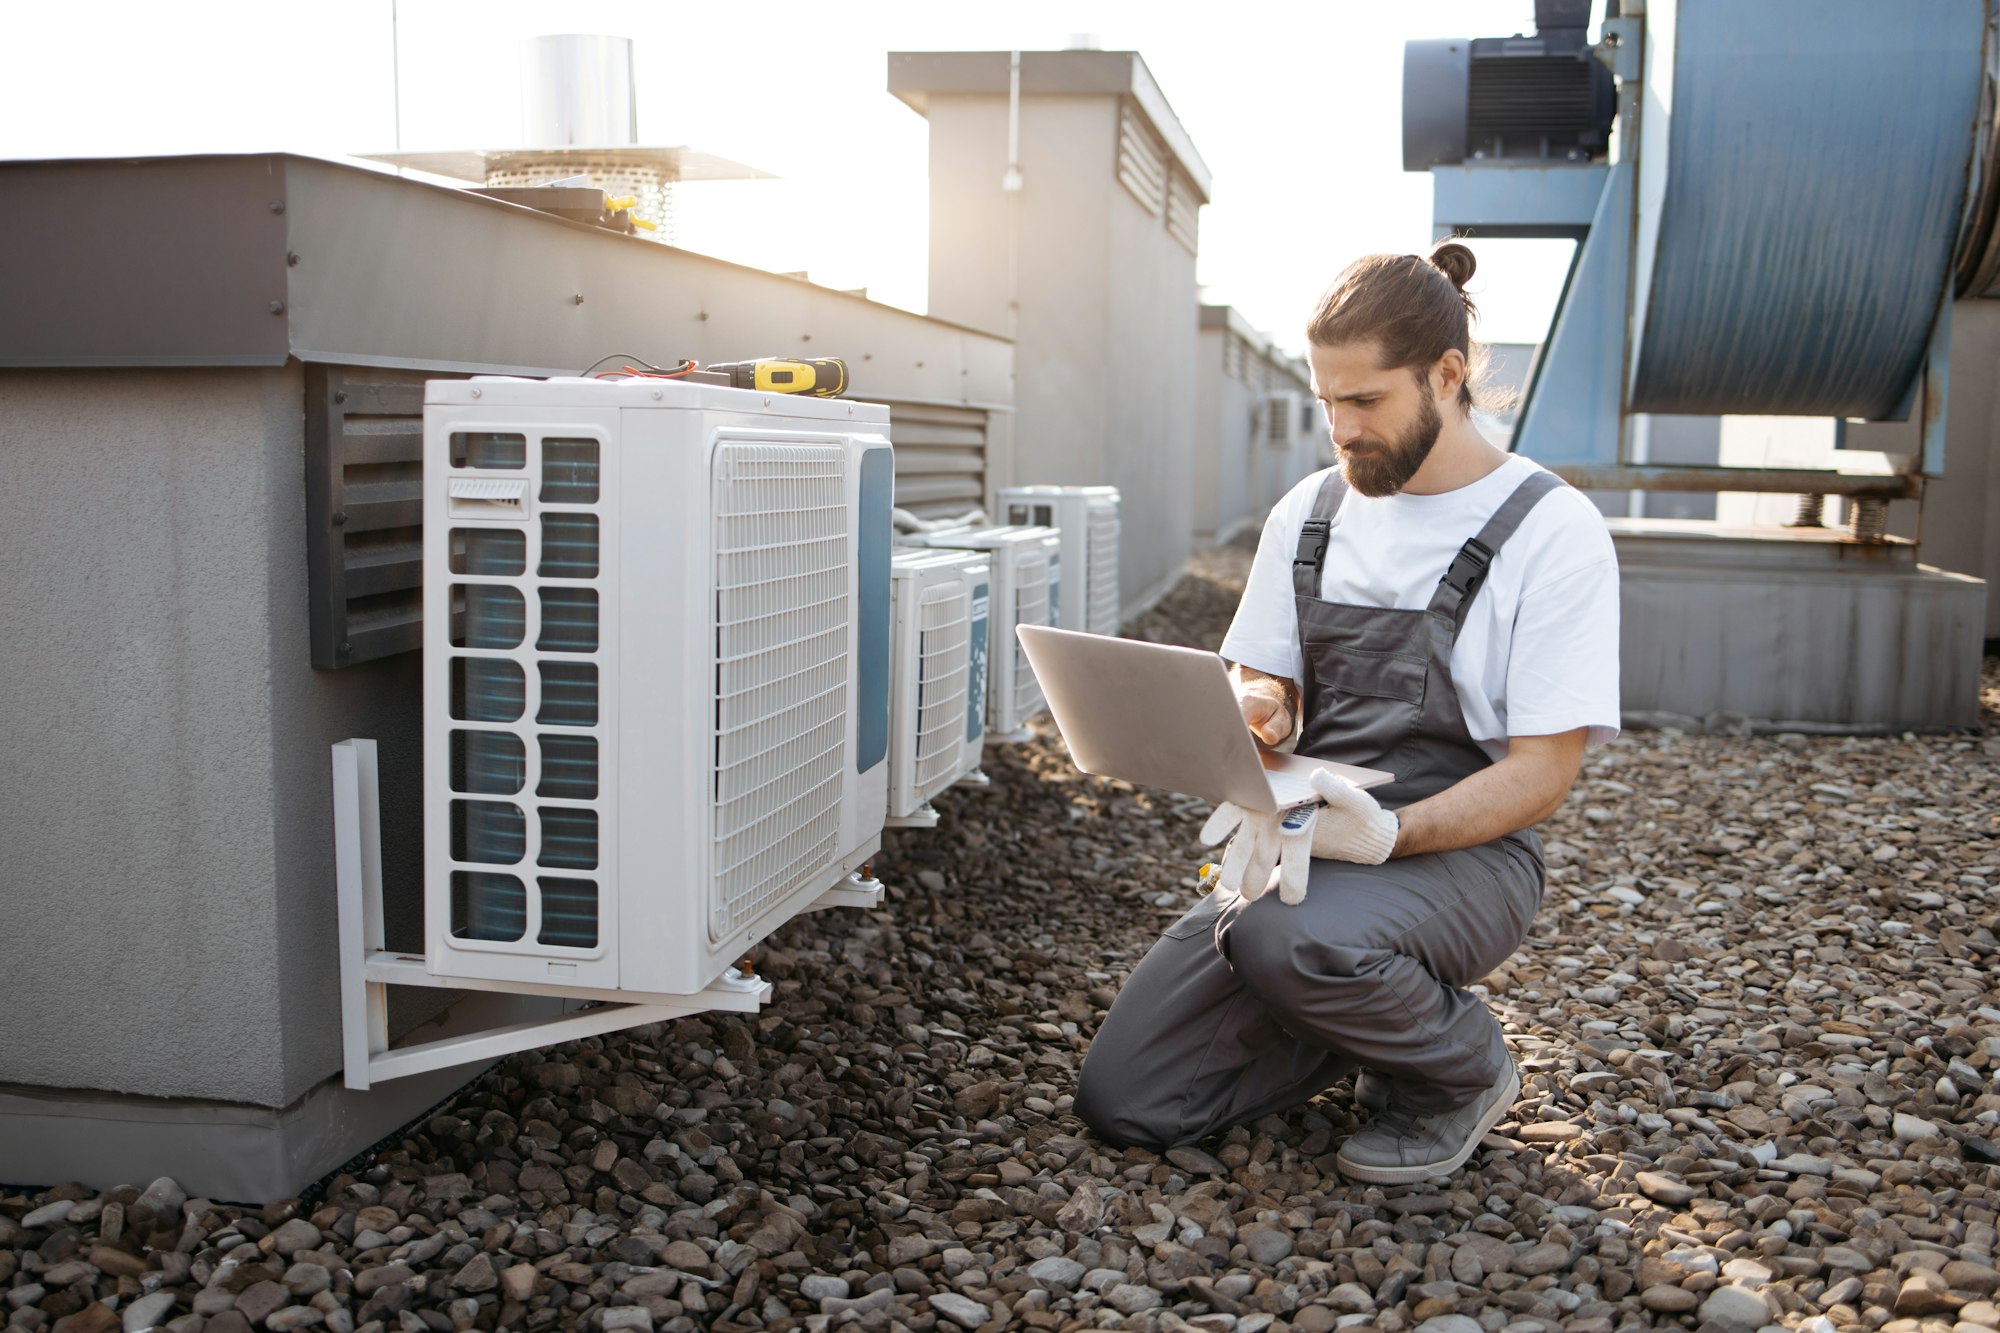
(1416, 309)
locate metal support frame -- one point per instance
(367, 969)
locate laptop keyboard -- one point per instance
(1290, 789)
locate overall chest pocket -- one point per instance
(1365, 700)
(1369, 674)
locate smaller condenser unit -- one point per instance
(1087, 517)
(937, 685)
(656, 673)
(1027, 590)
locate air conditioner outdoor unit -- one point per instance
(656, 673)
(937, 691)
(1027, 590)
(1087, 517)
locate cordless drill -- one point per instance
(825, 377)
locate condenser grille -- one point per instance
(1103, 575)
(943, 666)
(1031, 607)
(781, 671)
(530, 591)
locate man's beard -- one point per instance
(1384, 469)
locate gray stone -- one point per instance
(1056, 1271)
(1536, 1260)
(164, 1197)
(294, 1316)
(476, 1275)
(1663, 1188)
(1130, 1298)
(370, 1280)
(961, 1310)
(260, 1300)
(628, 1316)
(820, 1286)
(293, 1236)
(1736, 1310)
(49, 1215)
(1451, 1323)
(147, 1311)
(1267, 1245)
(1668, 1298)
(1197, 1161)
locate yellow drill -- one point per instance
(825, 377)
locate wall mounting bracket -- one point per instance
(368, 969)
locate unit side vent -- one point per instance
(1103, 591)
(782, 668)
(943, 654)
(1031, 607)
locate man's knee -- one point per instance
(1114, 1106)
(1274, 955)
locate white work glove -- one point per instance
(1264, 840)
(1352, 825)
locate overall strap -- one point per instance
(1467, 571)
(1310, 562)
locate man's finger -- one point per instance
(1227, 817)
(1335, 789)
(1263, 859)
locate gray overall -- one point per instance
(1242, 1009)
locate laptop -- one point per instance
(1165, 717)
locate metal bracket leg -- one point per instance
(367, 970)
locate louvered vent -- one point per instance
(942, 672)
(1183, 211)
(538, 581)
(1142, 160)
(1103, 589)
(781, 628)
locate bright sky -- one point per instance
(1296, 108)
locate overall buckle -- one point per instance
(1312, 544)
(1468, 568)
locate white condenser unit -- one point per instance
(937, 689)
(656, 673)
(1026, 564)
(1087, 517)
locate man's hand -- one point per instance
(1268, 704)
(1283, 840)
(1352, 825)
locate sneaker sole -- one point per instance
(1411, 1175)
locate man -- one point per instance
(1435, 607)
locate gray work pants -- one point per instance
(1242, 1009)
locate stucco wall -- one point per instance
(137, 522)
(163, 741)
(1105, 329)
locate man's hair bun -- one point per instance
(1455, 261)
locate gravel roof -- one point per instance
(1756, 1023)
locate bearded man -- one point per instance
(1433, 606)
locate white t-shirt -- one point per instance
(1538, 653)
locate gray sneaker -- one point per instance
(1371, 1090)
(1400, 1147)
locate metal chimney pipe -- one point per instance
(577, 92)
